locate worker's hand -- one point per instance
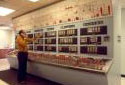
(34, 39)
(37, 36)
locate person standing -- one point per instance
(22, 57)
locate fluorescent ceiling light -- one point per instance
(33, 0)
(5, 11)
(5, 28)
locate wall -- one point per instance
(123, 43)
(115, 69)
(6, 38)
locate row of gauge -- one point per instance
(88, 40)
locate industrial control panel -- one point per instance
(84, 44)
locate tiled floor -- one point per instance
(4, 64)
(8, 77)
(122, 81)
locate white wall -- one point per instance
(114, 76)
(123, 42)
(6, 38)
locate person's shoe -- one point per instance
(23, 82)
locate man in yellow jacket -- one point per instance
(21, 41)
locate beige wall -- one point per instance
(123, 42)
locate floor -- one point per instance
(8, 76)
(122, 81)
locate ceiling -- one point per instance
(122, 2)
(21, 7)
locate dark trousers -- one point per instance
(22, 65)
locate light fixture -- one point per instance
(5, 11)
(33, 0)
(5, 28)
